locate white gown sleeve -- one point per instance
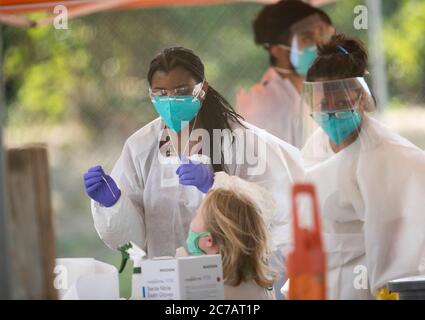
(124, 221)
(394, 218)
(279, 166)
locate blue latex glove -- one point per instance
(101, 187)
(195, 174)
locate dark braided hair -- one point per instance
(216, 112)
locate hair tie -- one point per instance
(342, 49)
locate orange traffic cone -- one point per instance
(306, 263)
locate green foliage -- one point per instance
(405, 49)
(42, 71)
(95, 71)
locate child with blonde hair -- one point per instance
(231, 223)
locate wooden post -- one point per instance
(32, 241)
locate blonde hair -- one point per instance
(237, 227)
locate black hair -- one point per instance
(339, 58)
(216, 112)
(272, 24)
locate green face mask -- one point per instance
(192, 242)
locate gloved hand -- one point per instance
(195, 174)
(101, 187)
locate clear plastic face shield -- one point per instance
(334, 115)
(305, 36)
(310, 32)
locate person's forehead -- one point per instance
(174, 78)
(312, 29)
(336, 93)
(308, 24)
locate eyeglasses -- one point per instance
(181, 91)
(325, 116)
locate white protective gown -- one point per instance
(273, 105)
(372, 202)
(155, 211)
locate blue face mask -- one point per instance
(339, 129)
(303, 60)
(192, 242)
(176, 111)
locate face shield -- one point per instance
(311, 31)
(306, 35)
(334, 116)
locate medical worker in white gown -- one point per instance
(370, 180)
(166, 167)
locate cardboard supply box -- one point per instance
(184, 278)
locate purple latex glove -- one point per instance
(101, 187)
(195, 174)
